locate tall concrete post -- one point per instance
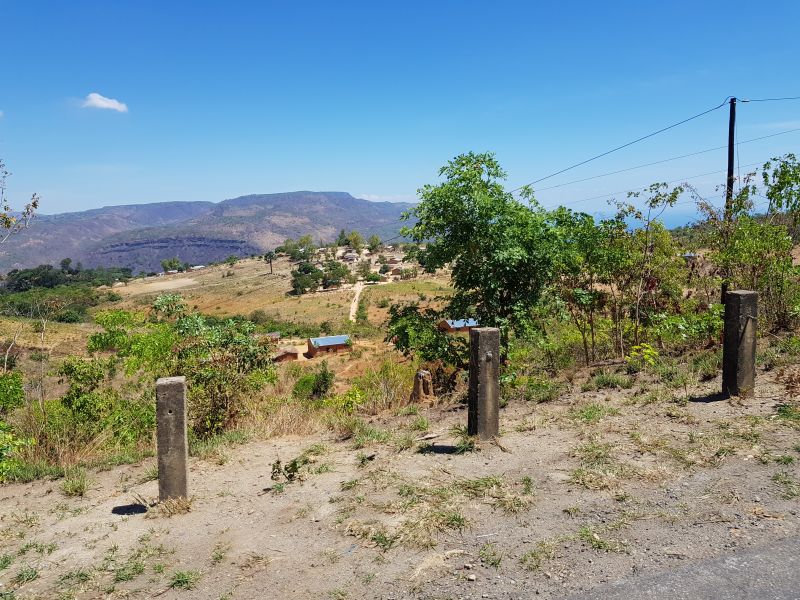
(484, 382)
(739, 343)
(173, 444)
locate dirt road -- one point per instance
(357, 288)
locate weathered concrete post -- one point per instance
(173, 444)
(484, 382)
(739, 343)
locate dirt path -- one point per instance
(357, 288)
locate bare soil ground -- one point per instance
(591, 487)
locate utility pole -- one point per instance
(731, 150)
(728, 217)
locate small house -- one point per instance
(396, 271)
(198, 267)
(394, 261)
(286, 355)
(273, 336)
(331, 343)
(453, 325)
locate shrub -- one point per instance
(314, 385)
(12, 393)
(10, 445)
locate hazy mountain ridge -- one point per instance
(139, 236)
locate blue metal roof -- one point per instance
(459, 323)
(331, 340)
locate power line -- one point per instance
(658, 162)
(638, 188)
(631, 143)
(769, 99)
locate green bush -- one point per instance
(315, 385)
(10, 445)
(12, 394)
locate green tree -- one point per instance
(374, 243)
(269, 257)
(503, 253)
(171, 264)
(306, 278)
(231, 260)
(415, 333)
(334, 273)
(589, 258)
(342, 239)
(363, 268)
(355, 240)
(65, 264)
(781, 178)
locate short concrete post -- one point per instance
(484, 382)
(173, 444)
(739, 343)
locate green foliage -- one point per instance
(374, 243)
(301, 249)
(12, 393)
(415, 332)
(168, 306)
(641, 357)
(62, 303)
(781, 177)
(315, 385)
(86, 400)
(502, 252)
(757, 256)
(10, 445)
(306, 278)
(223, 360)
(355, 240)
(48, 277)
(693, 327)
(334, 274)
(171, 264)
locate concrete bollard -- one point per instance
(173, 443)
(484, 383)
(739, 343)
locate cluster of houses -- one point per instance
(175, 271)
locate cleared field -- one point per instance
(243, 288)
(425, 291)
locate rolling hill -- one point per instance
(140, 236)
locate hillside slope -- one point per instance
(139, 236)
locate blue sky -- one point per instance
(229, 98)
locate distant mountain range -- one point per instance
(139, 236)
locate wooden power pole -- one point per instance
(729, 188)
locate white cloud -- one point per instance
(95, 100)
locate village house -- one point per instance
(453, 325)
(286, 355)
(332, 343)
